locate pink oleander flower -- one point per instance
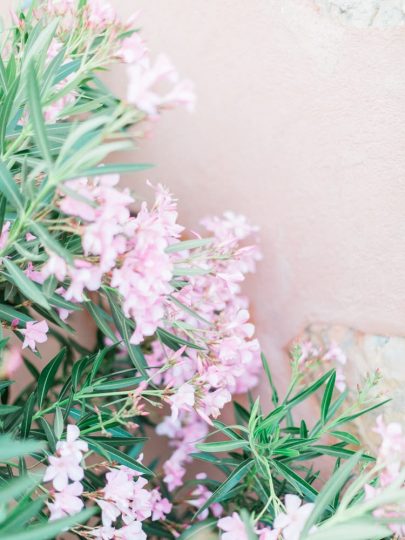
(160, 505)
(33, 274)
(143, 78)
(268, 534)
(184, 434)
(100, 14)
(67, 502)
(84, 275)
(391, 453)
(132, 49)
(292, 521)
(72, 446)
(55, 266)
(4, 234)
(103, 533)
(183, 399)
(61, 470)
(308, 350)
(133, 531)
(34, 332)
(233, 528)
(12, 361)
(200, 496)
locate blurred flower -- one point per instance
(35, 332)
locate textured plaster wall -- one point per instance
(299, 125)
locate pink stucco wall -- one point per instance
(299, 125)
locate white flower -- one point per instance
(293, 520)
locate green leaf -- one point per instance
(114, 168)
(99, 358)
(194, 531)
(8, 409)
(16, 487)
(99, 317)
(364, 528)
(329, 491)
(123, 459)
(123, 327)
(174, 342)
(296, 481)
(27, 416)
(5, 112)
(50, 243)
(49, 434)
(274, 396)
(23, 512)
(339, 452)
(25, 285)
(47, 376)
(223, 446)
(188, 244)
(36, 117)
(304, 394)
(58, 423)
(352, 417)
(116, 441)
(48, 530)
(346, 437)
(11, 448)
(9, 189)
(232, 480)
(10, 314)
(327, 397)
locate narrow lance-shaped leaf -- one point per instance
(25, 285)
(329, 491)
(232, 480)
(36, 116)
(50, 242)
(47, 376)
(9, 189)
(327, 397)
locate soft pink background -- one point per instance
(299, 125)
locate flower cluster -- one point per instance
(124, 499)
(64, 467)
(391, 458)
(287, 525)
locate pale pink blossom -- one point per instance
(133, 531)
(200, 496)
(143, 79)
(132, 49)
(34, 332)
(33, 274)
(55, 266)
(160, 505)
(84, 275)
(269, 534)
(61, 469)
(183, 399)
(292, 521)
(109, 512)
(66, 502)
(4, 234)
(72, 446)
(12, 361)
(233, 527)
(100, 14)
